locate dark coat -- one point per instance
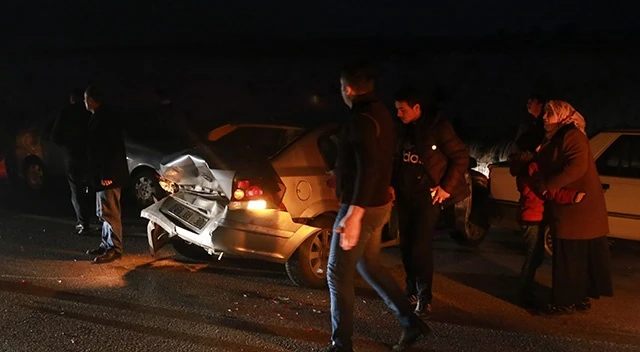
(365, 154)
(106, 150)
(70, 133)
(566, 161)
(445, 157)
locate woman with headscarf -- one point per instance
(581, 259)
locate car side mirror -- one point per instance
(473, 163)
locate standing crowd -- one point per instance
(415, 162)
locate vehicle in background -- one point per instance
(261, 191)
(617, 157)
(39, 162)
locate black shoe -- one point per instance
(423, 308)
(527, 300)
(583, 306)
(411, 335)
(335, 348)
(96, 251)
(109, 256)
(553, 309)
(82, 230)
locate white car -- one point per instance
(617, 156)
(261, 191)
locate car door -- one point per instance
(619, 169)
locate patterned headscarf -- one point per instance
(564, 114)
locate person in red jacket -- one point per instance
(531, 213)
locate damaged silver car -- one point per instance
(258, 191)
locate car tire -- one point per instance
(145, 187)
(190, 251)
(476, 226)
(307, 267)
(548, 241)
(35, 174)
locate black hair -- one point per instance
(409, 94)
(359, 75)
(77, 94)
(94, 93)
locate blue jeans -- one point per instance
(109, 212)
(365, 257)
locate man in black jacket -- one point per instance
(70, 133)
(363, 176)
(429, 174)
(108, 171)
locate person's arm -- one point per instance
(575, 147)
(363, 136)
(457, 154)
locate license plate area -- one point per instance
(189, 217)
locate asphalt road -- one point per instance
(52, 298)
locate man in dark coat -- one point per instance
(429, 174)
(108, 172)
(363, 175)
(70, 133)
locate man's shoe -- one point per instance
(411, 335)
(423, 308)
(110, 256)
(336, 348)
(82, 230)
(97, 251)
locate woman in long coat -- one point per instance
(581, 259)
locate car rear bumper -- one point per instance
(261, 234)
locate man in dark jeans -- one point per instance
(109, 173)
(429, 174)
(70, 133)
(363, 176)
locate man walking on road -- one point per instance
(363, 176)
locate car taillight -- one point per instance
(244, 190)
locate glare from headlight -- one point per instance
(257, 205)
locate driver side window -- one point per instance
(622, 158)
(328, 145)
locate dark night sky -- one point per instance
(133, 22)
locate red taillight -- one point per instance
(253, 192)
(244, 184)
(244, 191)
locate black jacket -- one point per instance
(365, 154)
(530, 134)
(70, 133)
(444, 156)
(106, 150)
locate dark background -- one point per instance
(279, 61)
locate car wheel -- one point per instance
(146, 187)
(307, 267)
(34, 174)
(548, 242)
(190, 251)
(476, 226)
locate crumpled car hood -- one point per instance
(192, 170)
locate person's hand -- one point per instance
(106, 183)
(392, 194)
(439, 195)
(349, 228)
